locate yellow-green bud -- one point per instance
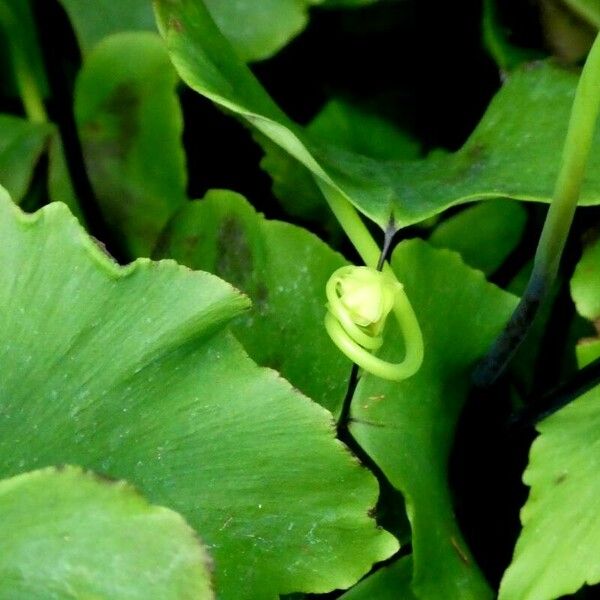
(368, 296)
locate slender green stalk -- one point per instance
(584, 115)
(24, 76)
(353, 227)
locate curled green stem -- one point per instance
(352, 332)
(356, 326)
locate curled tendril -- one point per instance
(359, 302)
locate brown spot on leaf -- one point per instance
(124, 106)
(234, 256)
(461, 553)
(560, 479)
(175, 24)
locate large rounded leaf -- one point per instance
(502, 158)
(284, 270)
(66, 534)
(129, 372)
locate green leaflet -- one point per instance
(130, 372)
(130, 124)
(585, 283)
(284, 270)
(66, 534)
(557, 551)
(502, 158)
(484, 234)
(93, 21)
(257, 30)
(407, 428)
(21, 145)
(388, 583)
(588, 350)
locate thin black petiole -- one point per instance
(559, 397)
(344, 418)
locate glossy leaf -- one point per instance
(351, 127)
(502, 158)
(407, 428)
(130, 124)
(284, 270)
(484, 235)
(130, 372)
(557, 551)
(585, 283)
(387, 583)
(21, 145)
(67, 534)
(341, 124)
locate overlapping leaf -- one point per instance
(343, 125)
(388, 583)
(129, 372)
(284, 270)
(511, 153)
(407, 428)
(557, 551)
(130, 125)
(585, 284)
(484, 235)
(66, 534)
(257, 30)
(21, 145)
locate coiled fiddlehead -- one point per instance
(359, 302)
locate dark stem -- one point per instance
(559, 397)
(506, 345)
(344, 418)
